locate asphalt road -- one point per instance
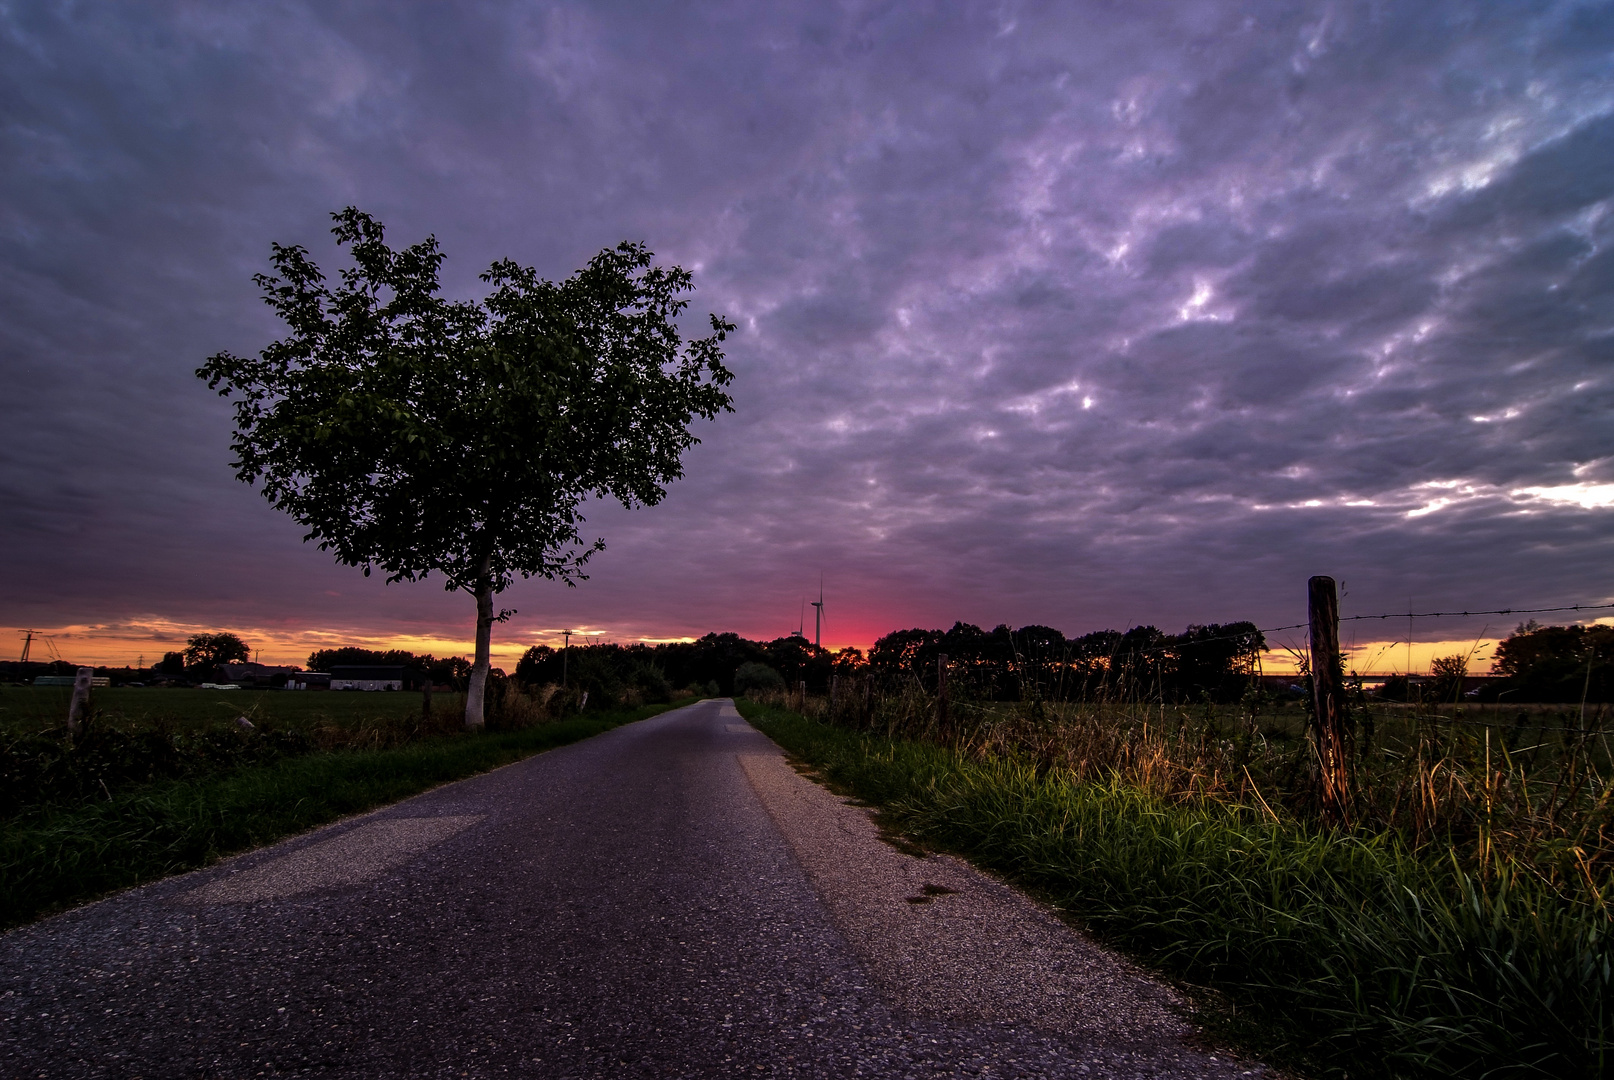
(668, 899)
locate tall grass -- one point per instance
(1365, 952)
(61, 853)
(134, 737)
(1530, 787)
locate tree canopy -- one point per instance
(1557, 663)
(208, 651)
(415, 434)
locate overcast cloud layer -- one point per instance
(1085, 315)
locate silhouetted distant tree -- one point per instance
(1447, 675)
(205, 652)
(1557, 663)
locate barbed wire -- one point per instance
(1448, 615)
(1505, 725)
(1178, 646)
(1459, 614)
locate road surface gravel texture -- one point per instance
(669, 899)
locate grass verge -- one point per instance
(1346, 955)
(60, 856)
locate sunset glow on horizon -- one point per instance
(127, 645)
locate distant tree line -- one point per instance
(447, 671)
(1214, 661)
(1217, 661)
(708, 665)
(1002, 664)
(1039, 663)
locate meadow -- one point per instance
(26, 709)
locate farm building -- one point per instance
(378, 677)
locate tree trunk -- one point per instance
(475, 693)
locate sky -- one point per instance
(1086, 315)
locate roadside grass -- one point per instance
(1344, 954)
(59, 854)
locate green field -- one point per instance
(32, 708)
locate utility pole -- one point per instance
(565, 651)
(1328, 699)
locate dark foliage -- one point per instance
(607, 672)
(1033, 663)
(211, 650)
(1038, 663)
(54, 767)
(713, 659)
(1556, 664)
(753, 676)
(449, 671)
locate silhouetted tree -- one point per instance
(205, 652)
(1557, 663)
(418, 435)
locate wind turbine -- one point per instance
(818, 615)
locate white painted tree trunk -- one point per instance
(477, 691)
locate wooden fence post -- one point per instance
(868, 700)
(426, 699)
(834, 685)
(941, 691)
(801, 696)
(79, 707)
(1328, 699)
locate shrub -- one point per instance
(652, 684)
(750, 678)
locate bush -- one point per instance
(652, 684)
(55, 767)
(750, 678)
